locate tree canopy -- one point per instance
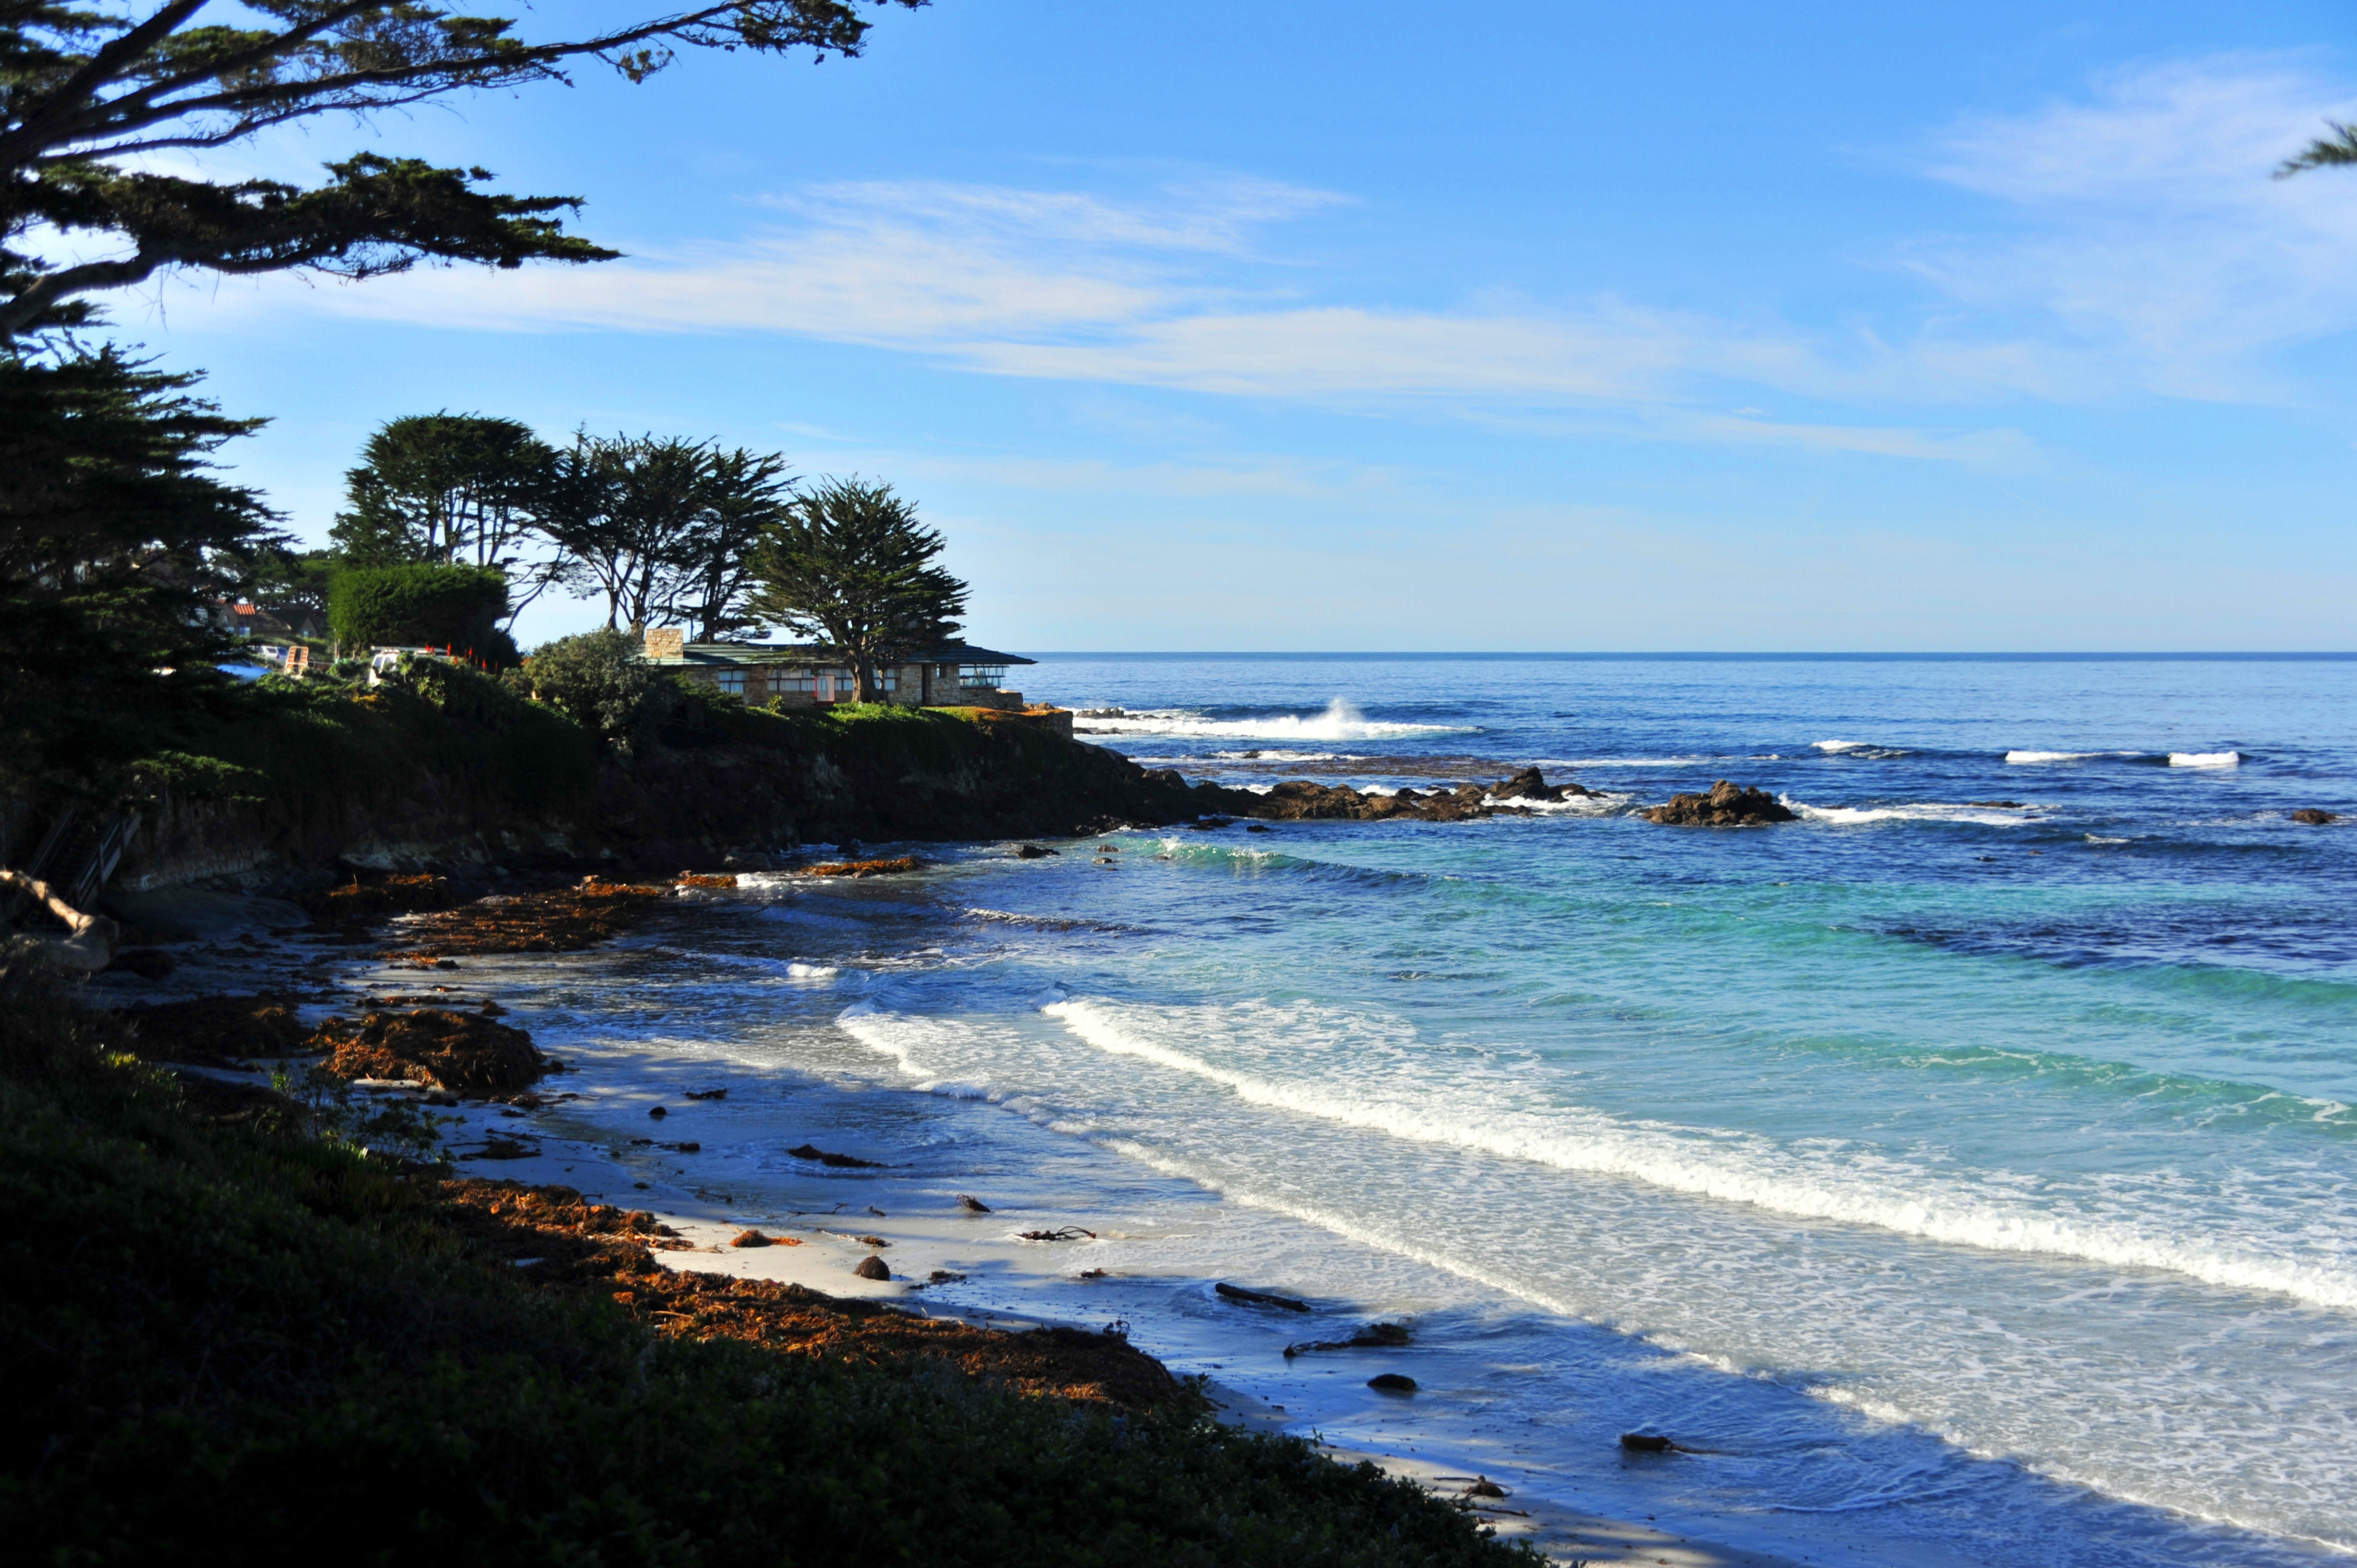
(851, 564)
(448, 488)
(89, 91)
(116, 531)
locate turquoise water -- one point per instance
(1968, 1167)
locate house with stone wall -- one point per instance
(954, 674)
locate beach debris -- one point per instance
(566, 919)
(863, 868)
(498, 1148)
(846, 1162)
(1653, 1443)
(686, 1148)
(1093, 1273)
(1065, 1233)
(944, 1277)
(871, 1240)
(2315, 817)
(971, 1204)
(1478, 1487)
(706, 1094)
(872, 1267)
(462, 1053)
(878, 1212)
(1728, 805)
(658, 1112)
(1260, 1297)
(490, 1009)
(696, 879)
(753, 1239)
(89, 940)
(1374, 1337)
(1392, 1383)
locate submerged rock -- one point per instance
(2313, 816)
(1728, 805)
(1393, 1382)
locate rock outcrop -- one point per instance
(1728, 805)
(2315, 816)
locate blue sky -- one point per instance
(1535, 327)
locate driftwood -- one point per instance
(90, 939)
(1069, 1233)
(1374, 1337)
(1261, 1297)
(845, 1162)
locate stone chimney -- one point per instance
(666, 642)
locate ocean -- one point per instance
(1965, 1172)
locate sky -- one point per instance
(1539, 326)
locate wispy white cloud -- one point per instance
(2145, 244)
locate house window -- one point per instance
(733, 681)
(981, 674)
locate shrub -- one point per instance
(596, 681)
(458, 608)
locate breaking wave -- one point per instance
(1341, 721)
(1753, 1170)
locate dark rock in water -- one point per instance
(147, 963)
(1998, 805)
(707, 1094)
(1726, 806)
(1260, 1298)
(1647, 1442)
(971, 1204)
(1209, 825)
(1393, 1382)
(813, 1152)
(1255, 828)
(872, 1267)
(686, 1148)
(1034, 851)
(2311, 815)
(1529, 784)
(658, 1112)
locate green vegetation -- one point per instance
(230, 1337)
(849, 562)
(452, 607)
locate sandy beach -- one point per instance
(675, 1129)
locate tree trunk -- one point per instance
(91, 941)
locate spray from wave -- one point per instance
(1341, 721)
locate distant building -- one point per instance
(954, 675)
(240, 617)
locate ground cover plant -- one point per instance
(228, 1336)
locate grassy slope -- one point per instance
(224, 1339)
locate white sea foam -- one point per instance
(801, 971)
(1341, 721)
(1855, 749)
(1922, 811)
(2064, 756)
(1748, 1169)
(1630, 762)
(2205, 758)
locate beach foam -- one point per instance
(2205, 758)
(1920, 811)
